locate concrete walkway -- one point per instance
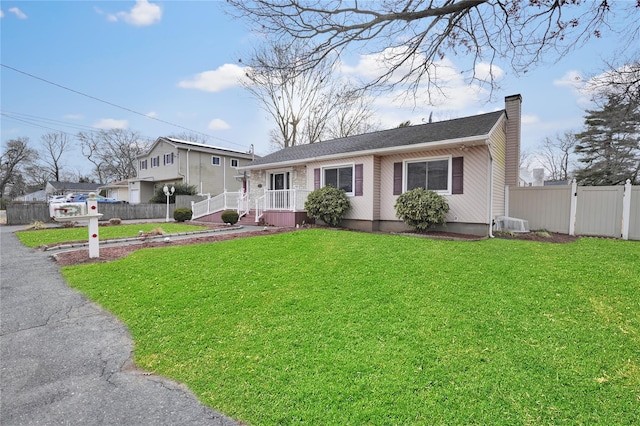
(65, 361)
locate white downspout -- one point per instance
(490, 192)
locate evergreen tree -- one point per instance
(609, 147)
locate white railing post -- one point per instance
(574, 207)
(626, 209)
(293, 204)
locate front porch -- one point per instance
(283, 207)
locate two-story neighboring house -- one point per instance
(212, 170)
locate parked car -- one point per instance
(81, 198)
(57, 199)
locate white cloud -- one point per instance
(572, 79)
(20, 14)
(110, 123)
(142, 14)
(454, 92)
(218, 124)
(485, 71)
(152, 114)
(226, 76)
(1, 14)
(529, 119)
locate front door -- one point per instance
(279, 181)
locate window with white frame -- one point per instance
(234, 162)
(155, 161)
(339, 177)
(168, 159)
(215, 160)
(431, 174)
(143, 164)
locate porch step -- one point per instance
(248, 219)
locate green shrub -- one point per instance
(421, 209)
(328, 204)
(230, 216)
(181, 189)
(182, 214)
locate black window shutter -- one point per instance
(397, 178)
(316, 178)
(457, 174)
(359, 179)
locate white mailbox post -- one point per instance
(71, 212)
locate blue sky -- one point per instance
(178, 62)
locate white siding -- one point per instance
(498, 153)
(361, 206)
(469, 207)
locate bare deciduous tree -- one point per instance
(16, 154)
(54, 145)
(112, 152)
(307, 104)
(351, 116)
(412, 36)
(191, 137)
(555, 155)
(285, 92)
(622, 81)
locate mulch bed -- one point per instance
(108, 254)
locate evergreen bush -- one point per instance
(182, 214)
(230, 216)
(328, 204)
(421, 209)
(181, 189)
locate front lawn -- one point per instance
(335, 328)
(35, 238)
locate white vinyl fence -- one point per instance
(611, 211)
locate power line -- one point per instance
(117, 106)
(34, 120)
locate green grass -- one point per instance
(35, 238)
(343, 328)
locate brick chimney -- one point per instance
(513, 107)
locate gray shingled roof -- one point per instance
(73, 186)
(477, 125)
(204, 147)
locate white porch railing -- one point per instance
(281, 199)
(224, 201)
(243, 204)
(285, 199)
(259, 207)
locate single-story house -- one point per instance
(468, 160)
(118, 190)
(212, 170)
(66, 188)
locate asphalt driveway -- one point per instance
(65, 361)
